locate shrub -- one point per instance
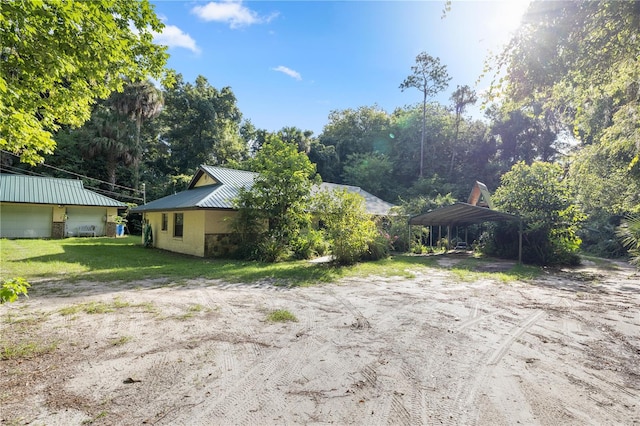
(309, 244)
(349, 228)
(12, 288)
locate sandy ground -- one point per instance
(561, 349)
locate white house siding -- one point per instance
(25, 221)
(86, 216)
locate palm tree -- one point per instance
(140, 101)
(107, 135)
(629, 233)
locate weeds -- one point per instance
(25, 350)
(104, 307)
(281, 315)
(121, 340)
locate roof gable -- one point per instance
(48, 190)
(480, 196)
(212, 175)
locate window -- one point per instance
(178, 221)
(165, 221)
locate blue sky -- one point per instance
(290, 63)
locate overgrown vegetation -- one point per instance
(350, 230)
(541, 197)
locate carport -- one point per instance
(463, 214)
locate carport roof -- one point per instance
(460, 214)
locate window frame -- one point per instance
(178, 225)
(164, 222)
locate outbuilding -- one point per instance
(46, 207)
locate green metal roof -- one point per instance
(460, 214)
(48, 190)
(221, 195)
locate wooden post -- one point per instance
(520, 244)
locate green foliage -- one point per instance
(371, 171)
(12, 288)
(541, 196)
(575, 64)
(276, 210)
(348, 227)
(629, 234)
(430, 77)
(281, 315)
(380, 247)
(139, 101)
(202, 125)
(25, 350)
(310, 243)
(59, 57)
(598, 235)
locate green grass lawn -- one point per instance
(125, 259)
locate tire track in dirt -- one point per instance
(261, 387)
(468, 395)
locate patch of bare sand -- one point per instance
(562, 349)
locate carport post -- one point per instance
(520, 244)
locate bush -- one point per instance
(380, 247)
(541, 196)
(309, 244)
(348, 226)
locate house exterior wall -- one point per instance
(192, 240)
(110, 226)
(217, 242)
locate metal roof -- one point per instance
(221, 195)
(460, 214)
(226, 176)
(48, 190)
(373, 204)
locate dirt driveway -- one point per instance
(561, 349)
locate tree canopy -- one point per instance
(58, 57)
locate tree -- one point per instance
(407, 124)
(371, 172)
(541, 195)
(279, 199)
(140, 101)
(579, 59)
(294, 135)
(349, 228)
(57, 58)
(106, 135)
(356, 131)
(629, 234)
(522, 136)
(461, 98)
(202, 125)
(430, 78)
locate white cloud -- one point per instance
(288, 71)
(173, 36)
(231, 12)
